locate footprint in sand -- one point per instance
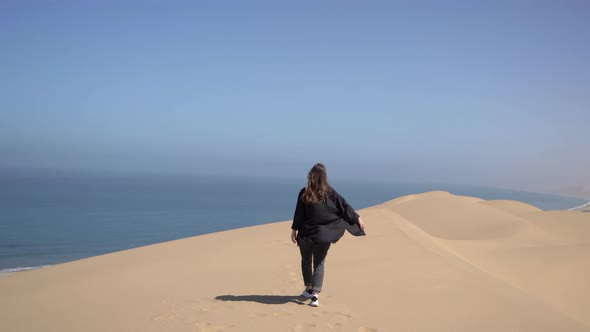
(303, 327)
(335, 327)
(207, 327)
(282, 313)
(165, 316)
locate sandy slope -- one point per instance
(430, 262)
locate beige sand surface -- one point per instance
(430, 262)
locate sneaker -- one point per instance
(315, 301)
(307, 293)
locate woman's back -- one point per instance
(321, 217)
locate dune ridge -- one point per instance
(430, 262)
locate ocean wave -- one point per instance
(22, 268)
(580, 207)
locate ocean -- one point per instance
(47, 219)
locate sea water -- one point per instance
(47, 219)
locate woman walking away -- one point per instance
(321, 216)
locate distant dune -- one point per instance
(429, 262)
(576, 191)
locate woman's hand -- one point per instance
(361, 224)
(294, 236)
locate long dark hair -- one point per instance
(317, 184)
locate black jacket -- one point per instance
(325, 221)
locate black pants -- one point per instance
(313, 254)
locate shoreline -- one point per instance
(19, 269)
(582, 208)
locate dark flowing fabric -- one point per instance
(326, 221)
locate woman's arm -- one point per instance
(299, 212)
(297, 217)
(346, 211)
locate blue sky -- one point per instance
(494, 93)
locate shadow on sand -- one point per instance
(264, 299)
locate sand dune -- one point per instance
(430, 262)
(454, 217)
(512, 207)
